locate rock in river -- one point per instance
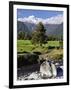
(45, 70)
(48, 70)
(53, 69)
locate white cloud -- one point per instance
(52, 20)
(55, 20)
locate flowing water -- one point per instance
(32, 72)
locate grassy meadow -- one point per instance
(27, 46)
(51, 48)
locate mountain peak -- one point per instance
(51, 20)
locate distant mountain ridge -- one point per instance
(58, 19)
(51, 29)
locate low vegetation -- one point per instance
(29, 47)
(27, 59)
(26, 45)
(56, 54)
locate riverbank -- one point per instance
(32, 72)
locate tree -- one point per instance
(21, 35)
(27, 36)
(38, 36)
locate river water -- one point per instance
(32, 72)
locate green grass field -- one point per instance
(26, 45)
(46, 49)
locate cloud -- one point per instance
(52, 20)
(55, 20)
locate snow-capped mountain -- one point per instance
(52, 20)
(53, 25)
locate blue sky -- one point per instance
(37, 13)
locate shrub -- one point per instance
(33, 58)
(27, 59)
(56, 56)
(38, 53)
(25, 52)
(51, 47)
(58, 47)
(20, 61)
(22, 52)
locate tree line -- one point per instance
(38, 35)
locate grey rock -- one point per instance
(45, 70)
(48, 70)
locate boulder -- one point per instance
(45, 70)
(54, 70)
(59, 71)
(48, 70)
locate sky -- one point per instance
(37, 13)
(36, 16)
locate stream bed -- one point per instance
(32, 72)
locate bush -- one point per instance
(27, 59)
(33, 58)
(22, 52)
(38, 53)
(25, 52)
(57, 47)
(20, 61)
(51, 47)
(56, 56)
